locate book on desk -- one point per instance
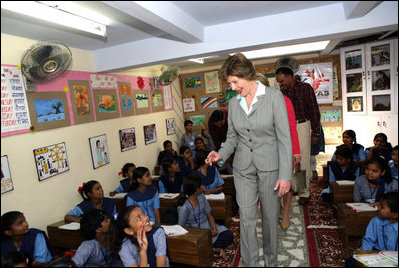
(381, 259)
(361, 207)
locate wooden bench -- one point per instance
(193, 248)
(228, 187)
(352, 223)
(341, 193)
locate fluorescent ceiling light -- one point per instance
(285, 50)
(55, 14)
(198, 60)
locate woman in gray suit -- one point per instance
(259, 134)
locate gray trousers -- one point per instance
(251, 184)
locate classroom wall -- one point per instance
(47, 201)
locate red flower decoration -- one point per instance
(140, 82)
(32, 129)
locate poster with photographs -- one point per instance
(6, 181)
(170, 126)
(150, 134)
(127, 138)
(99, 151)
(51, 160)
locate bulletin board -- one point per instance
(78, 98)
(331, 121)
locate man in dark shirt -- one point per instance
(307, 110)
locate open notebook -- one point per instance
(70, 226)
(173, 230)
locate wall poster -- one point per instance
(170, 126)
(82, 105)
(126, 98)
(189, 105)
(150, 134)
(212, 82)
(51, 160)
(127, 138)
(6, 181)
(99, 151)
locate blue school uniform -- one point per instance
(184, 169)
(380, 235)
(123, 186)
(358, 152)
(394, 170)
(108, 205)
(157, 247)
(91, 254)
(385, 152)
(363, 193)
(147, 201)
(212, 180)
(196, 217)
(35, 244)
(167, 186)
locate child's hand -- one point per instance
(214, 232)
(206, 191)
(112, 193)
(142, 239)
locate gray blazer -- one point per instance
(262, 138)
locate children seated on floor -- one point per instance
(93, 197)
(172, 179)
(185, 160)
(349, 140)
(393, 164)
(17, 236)
(381, 147)
(127, 173)
(166, 153)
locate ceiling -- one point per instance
(143, 33)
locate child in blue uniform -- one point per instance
(93, 252)
(194, 210)
(211, 178)
(393, 164)
(17, 236)
(342, 169)
(349, 140)
(172, 179)
(93, 197)
(381, 147)
(137, 242)
(127, 173)
(377, 181)
(185, 160)
(142, 194)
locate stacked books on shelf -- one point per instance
(381, 259)
(361, 207)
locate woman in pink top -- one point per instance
(287, 198)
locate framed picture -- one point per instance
(170, 126)
(142, 101)
(126, 98)
(106, 104)
(188, 105)
(82, 105)
(48, 110)
(198, 120)
(150, 134)
(6, 181)
(212, 82)
(51, 160)
(127, 138)
(156, 101)
(193, 82)
(99, 151)
(355, 104)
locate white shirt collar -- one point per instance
(261, 90)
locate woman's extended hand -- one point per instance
(213, 157)
(284, 186)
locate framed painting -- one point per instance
(126, 98)
(48, 110)
(6, 180)
(150, 134)
(142, 101)
(127, 138)
(106, 104)
(51, 160)
(82, 105)
(212, 84)
(99, 151)
(157, 100)
(170, 126)
(192, 82)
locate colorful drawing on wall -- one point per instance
(229, 94)
(221, 100)
(157, 99)
(81, 97)
(198, 120)
(331, 116)
(189, 105)
(355, 104)
(99, 150)
(170, 126)
(212, 82)
(102, 81)
(153, 82)
(334, 133)
(51, 160)
(209, 102)
(126, 95)
(106, 103)
(6, 181)
(142, 100)
(127, 139)
(49, 110)
(193, 82)
(150, 134)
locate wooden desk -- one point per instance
(341, 193)
(193, 248)
(221, 209)
(352, 223)
(228, 187)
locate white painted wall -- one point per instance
(48, 201)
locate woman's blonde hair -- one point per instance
(261, 78)
(238, 65)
